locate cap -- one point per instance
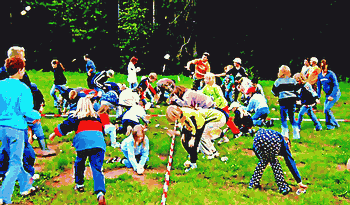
(314, 59)
(237, 60)
(110, 73)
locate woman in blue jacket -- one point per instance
(328, 80)
(88, 142)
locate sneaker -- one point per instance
(285, 191)
(101, 200)
(79, 189)
(189, 168)
(318, 129)
(212, 156)
(224, 140)
(31, 191)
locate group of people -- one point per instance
(201, 116)
(194, 112)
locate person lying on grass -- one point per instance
(267, 145)
(88, 142)
(135, 149)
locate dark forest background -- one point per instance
(264, 34)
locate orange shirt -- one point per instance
(312, 75)
(201, 68)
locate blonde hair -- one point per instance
(299, 77)
(84, 109)
(153, 76)
(173, 113)
(210, 77)
(16, 51)
(284, 71)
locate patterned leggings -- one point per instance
(266, 146)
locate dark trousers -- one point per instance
(192, 151)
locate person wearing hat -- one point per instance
(99, 80)
(328, 80)
(285, 88)
(237, 72)
(313, 73)
(202, 66)
(90, 70)
(258, 103)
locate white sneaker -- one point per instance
(224, 140)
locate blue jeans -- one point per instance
(288, 111)
(331, 122)
(308, 109)
(96, 157)
(60, 89)
(229, 96)
(37, 130)
(260, 113)
(13, 143)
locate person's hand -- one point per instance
(52, 136)
(41, 110)
(298, 102)
(138, 69)
(330, 98)
(318, 101)
(302, 186)
(173, 132)
(191, 142)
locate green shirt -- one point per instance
(215, 92)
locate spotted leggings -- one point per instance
(267, 145)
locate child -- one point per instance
(109, 128)
(214, 91)
(307, 98)
(99, 80)
(164, 87)
(228, 83)
(268, 144)
(285, 88)
(258, 87)
(257, 103)
(36, 127)
(132, 70)
(135, 149)
(132, 118)
(242, 119)
(88, 142)
(144, 85)
(60, 80)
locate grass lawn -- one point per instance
(320, 157)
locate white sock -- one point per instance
(100, 194)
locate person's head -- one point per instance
(84, 109)
(16, 51)
(284, 72)
(121, 86)
(205, 56)
(313, 61)
(173, 113)
(15, 66)
(234, 106)
(138, 133)
(86, 57)
(134, 60)
(307, 62)
(209, 78)
(300, 78)
(324, 65)
(237, 62)
(72, 94)
(110, 73)
(227, 68)
(152, 77)
(104, 109)
(55, 63)
(251, 91)
(179, 91)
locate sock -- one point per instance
(100, 194)
(79, 186)
(194, 165)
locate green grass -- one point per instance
(317, 155)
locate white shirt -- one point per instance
(128, 98)
(132, 73)
(135, 113)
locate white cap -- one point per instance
(167, 56)
(237, 60)
(314, 59)
(110, 73)
(234, 104)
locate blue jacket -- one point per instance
(16, 101)
(88, 132)
(90, 65)
(307, 94)
(256, 102)
(128, 146)
(330, 84)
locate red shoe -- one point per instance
(101, 200)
